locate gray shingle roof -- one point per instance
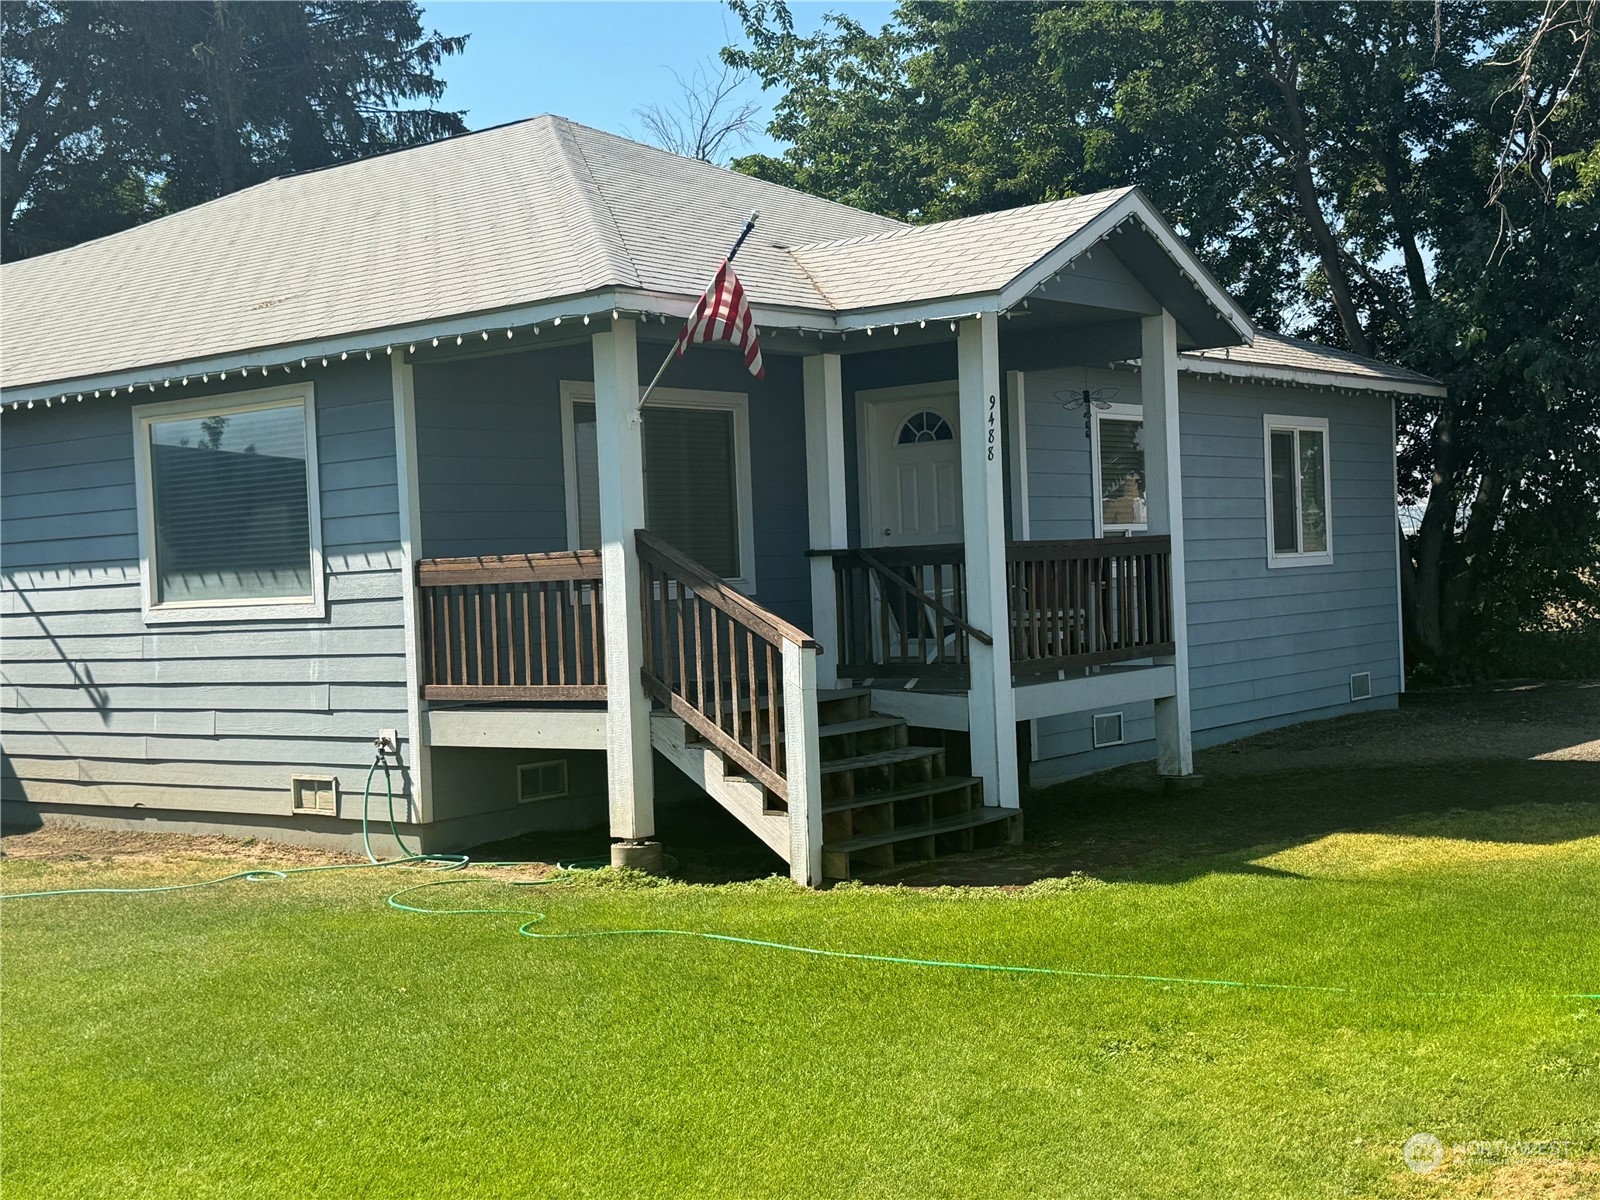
(536, 210)
(1277, 352)
(969, 256)
(525, 213)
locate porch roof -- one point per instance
(523, 223)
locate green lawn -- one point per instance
(301, 1038)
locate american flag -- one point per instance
(723, 315)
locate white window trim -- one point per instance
(1271, 424)
(291, 608)
(1122, 730)
(1117, 412)
(737, 403)
(561, 794)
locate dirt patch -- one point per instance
(74, 850)
(1562, 1179)
(114, 847)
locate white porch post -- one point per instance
(991, 708)
(629, 769)
(419, 754)
(1158, 388)
(825, 502)
(803, 763)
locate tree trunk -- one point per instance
(1298, 153)
(1433, 538)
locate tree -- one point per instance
(1330, 163)
(707, 118)
(115, 113)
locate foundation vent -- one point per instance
(1107, 729)
(541, 781)
(1361, 686)
(316, 794)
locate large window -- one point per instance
(228, 507)
(1118, 449)
(1299, 529)
(696, 476)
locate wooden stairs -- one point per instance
(885, 802)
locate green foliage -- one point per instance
(1331, 163)
(115, 113)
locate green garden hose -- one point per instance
(455, 862)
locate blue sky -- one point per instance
(595, 61)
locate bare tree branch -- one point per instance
(708, 118)
(1528, 145)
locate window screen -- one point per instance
(231, 505)
(1313, 517)
(690, 487)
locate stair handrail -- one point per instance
(888, 574)
(736, 696)
(717, 590)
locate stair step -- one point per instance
(866, 725)
(827, 696)
(917, 791)
(846, 728)
(967, 820)
(881, 758)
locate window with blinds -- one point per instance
(1119, 470)
(691, 492)
(229, 504)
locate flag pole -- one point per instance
(673, 349)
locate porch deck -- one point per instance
(514, 647)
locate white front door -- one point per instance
(912, 462)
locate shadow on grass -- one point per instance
(1120, 826)
(1456, 763)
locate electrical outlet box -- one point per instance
(391, 739)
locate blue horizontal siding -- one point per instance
(491, 463)
(102, 710)
(1267, 646)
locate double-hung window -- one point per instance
(229, 527)
(696, 476)
(1118, 450)
(1299, 501)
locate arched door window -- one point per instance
(924, 426)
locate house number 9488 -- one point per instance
(992, 403)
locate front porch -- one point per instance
(806, 731)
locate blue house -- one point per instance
(357, 456)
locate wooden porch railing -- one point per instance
(902, 612)
(1071, 605)
(1086, 603)
(715, 658)
(513, 627)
